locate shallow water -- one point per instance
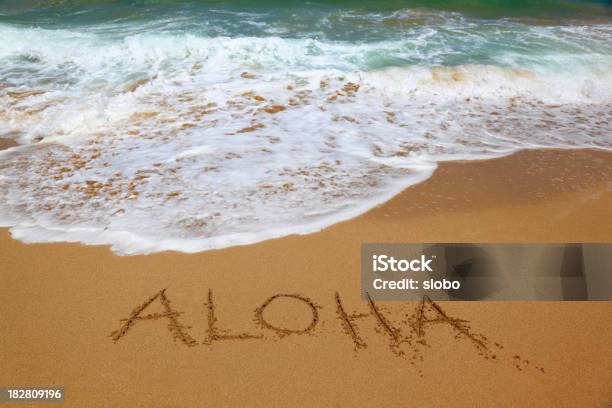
(196, 125)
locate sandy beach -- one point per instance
(173, 329)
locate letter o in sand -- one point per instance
(283, 331)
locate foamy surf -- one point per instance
(172, 140)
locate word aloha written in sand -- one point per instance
(408, 341)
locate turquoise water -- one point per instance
(533, 34)
(97, 11)
(155, 125)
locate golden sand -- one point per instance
(6, 143)
(281, 323)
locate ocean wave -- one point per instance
(154, 142)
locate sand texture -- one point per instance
(281, 323)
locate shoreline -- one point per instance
(454, 200)
(63, 305)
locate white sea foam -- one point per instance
(181, 142)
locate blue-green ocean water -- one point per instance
(154, 125)
(457, 31)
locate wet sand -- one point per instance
(6, 143)
(217, 336)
